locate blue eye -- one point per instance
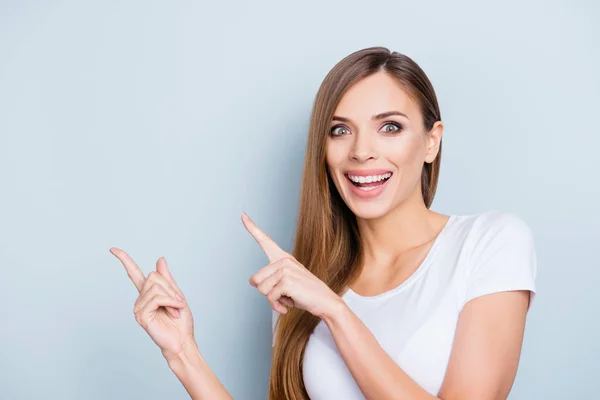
(336, 132)
(398, 127)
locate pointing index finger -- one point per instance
(271, 249)
(135, 273)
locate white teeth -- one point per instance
(369, 178)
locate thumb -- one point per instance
(163, 269)
(288, 301)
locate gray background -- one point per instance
(151, 126)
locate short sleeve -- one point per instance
(274, 321)
(503, 257)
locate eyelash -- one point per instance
(397, 125)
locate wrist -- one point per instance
(336, 312)
(187, 357)
(194, 373)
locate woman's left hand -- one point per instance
(286, 281)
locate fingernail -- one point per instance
(178, 297)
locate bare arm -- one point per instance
(162, 310)
(487, 343)
(482, 365)
(196, 376)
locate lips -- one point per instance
(368, 183)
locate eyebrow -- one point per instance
(374, 117)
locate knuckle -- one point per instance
(151, 288)
(262, 290)
(286, 269)
(159, 289)
(146, 284)
(288, 260)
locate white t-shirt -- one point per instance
(416, 321)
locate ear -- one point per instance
(434, 139)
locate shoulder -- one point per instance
(497, 220)
(495, 228)
(500, 254)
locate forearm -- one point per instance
(196, 376)
(377, 375)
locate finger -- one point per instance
(279, 308)
(135, 273)
(146, 294)
(284, 300)
(163, 269)
(268, 271)
(271, 249)
(155, 302)
(288, 301)
(155, 277)
(267, 285)
(150, 290)
(272, 280)
(275, 297)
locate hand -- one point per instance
(161, 308)
(286, 281)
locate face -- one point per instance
(377, 145)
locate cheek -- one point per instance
(335, 157)
(334, 154)
(404, 153)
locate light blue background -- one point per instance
(151, 126)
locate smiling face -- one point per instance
(377, 145)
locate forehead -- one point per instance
(375, 94)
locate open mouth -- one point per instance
(369, 182)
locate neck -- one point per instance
(407, 227)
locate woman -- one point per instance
(382, 297)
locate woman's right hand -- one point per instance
(161, 308)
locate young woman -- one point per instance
(382, 298)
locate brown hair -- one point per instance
(327, 238)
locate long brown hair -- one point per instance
(327, 238)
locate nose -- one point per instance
(363, 148)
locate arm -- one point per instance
(196, 376)
(482, 365)
(487, 342)
(162, 310)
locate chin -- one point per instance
(371, 214)
(369, 211)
